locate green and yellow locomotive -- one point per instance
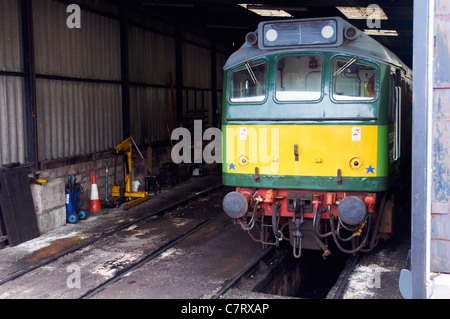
(315, 124)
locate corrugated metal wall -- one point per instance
(10, 39)
(151, 56)
(151, 109)
(91, 52)
(196, 66)
(76, 118)
(12, 127)
(152, 64)
(79, 81)
(197, 95)
(79, 113)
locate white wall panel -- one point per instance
(12, 124)
(151, 56)
(76, 118)
(150, 108)
(196, 66)
(10, 39)
(93, 51)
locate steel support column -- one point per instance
(215, 122)
(179, 76)
(30, 83)
(126, 116)
(422, 55)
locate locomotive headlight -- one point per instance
(271, 35)
(327, 32)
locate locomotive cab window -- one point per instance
(299, 78)
(248, 83)
(354, 80)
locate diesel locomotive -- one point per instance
(316, 130)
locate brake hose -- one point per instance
(276, 231)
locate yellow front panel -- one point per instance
(322, 150)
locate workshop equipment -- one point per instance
(125, 193)
(169, 174)
(199, 170)
(117, 197)
(117, 191)
(35, 179)
(151, 184)
(106, 202)
(140, 154)
(73, 191)
(94, 206)
(184, 171)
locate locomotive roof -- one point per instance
(363, 45)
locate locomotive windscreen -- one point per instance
(299, 33)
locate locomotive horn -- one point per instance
(235, 204)
(251, 38)
(351, 33)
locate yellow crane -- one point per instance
(117, 193)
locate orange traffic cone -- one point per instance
(94, 206)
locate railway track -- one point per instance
(20, 281)
(121, 271)
(245, 271)
(337, 290)
(181, 202)
(120, 274)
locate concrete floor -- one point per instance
(378, 273)
(376, 276)
(195, 268)
(101, 260)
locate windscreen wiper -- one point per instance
(252, 74)
(345, 66)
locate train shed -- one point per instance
(78, 78)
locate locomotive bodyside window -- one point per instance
(354, 80)
(248, 83)
(299, 78)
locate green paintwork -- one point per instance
(370, 184)
(325, 108)
(326, 111)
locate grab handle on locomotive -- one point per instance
(256, 177)
(339, 177)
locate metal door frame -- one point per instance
(424, 12)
